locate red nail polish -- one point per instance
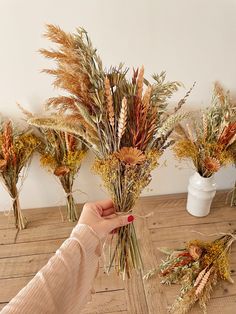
(130, 218)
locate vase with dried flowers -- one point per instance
(125, 123)
(210, 144)
(16, 149)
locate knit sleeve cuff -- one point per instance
(88, 239)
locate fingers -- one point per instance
(105, 204)
(117, 222)
(100, 207)
(108, 212)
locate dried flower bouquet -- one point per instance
(198, 268)
(16, 149)
(124, 122)
(211, 140)
(62, 153)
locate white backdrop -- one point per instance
(192, 40)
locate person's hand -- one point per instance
(101, 217)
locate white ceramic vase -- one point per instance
(201, 192)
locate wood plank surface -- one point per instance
(30, 248)
(107, 302)
(23, 253)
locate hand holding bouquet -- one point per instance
(124, 122)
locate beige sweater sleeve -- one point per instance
(64, 284)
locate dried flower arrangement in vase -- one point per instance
(210, 144)
(124, 122)
(62, 153)
(16, 149)
(198, 268)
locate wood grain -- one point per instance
(107, 302)
(23, 253)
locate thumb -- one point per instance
(117, 222)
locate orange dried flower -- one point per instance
(195, 251)
(61, 171)
(130, 155)
(212, 164)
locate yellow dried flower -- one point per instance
(3, 164)
(185, 149)
(48, 160)
(73, 159)
(152, 156)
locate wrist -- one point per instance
(88, 239)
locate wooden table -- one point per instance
(23, 253)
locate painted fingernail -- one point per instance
(130, 218)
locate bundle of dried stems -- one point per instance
(124, 122)
(62, 153)
(16, 149)
(198, 268)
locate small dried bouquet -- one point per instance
(198, 268)
(210, 141)
(16, 149)
(124, 122)
(61, 153)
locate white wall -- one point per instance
(190, 39)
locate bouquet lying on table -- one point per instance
(197, 268)
(16, 149)
(124, 122)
